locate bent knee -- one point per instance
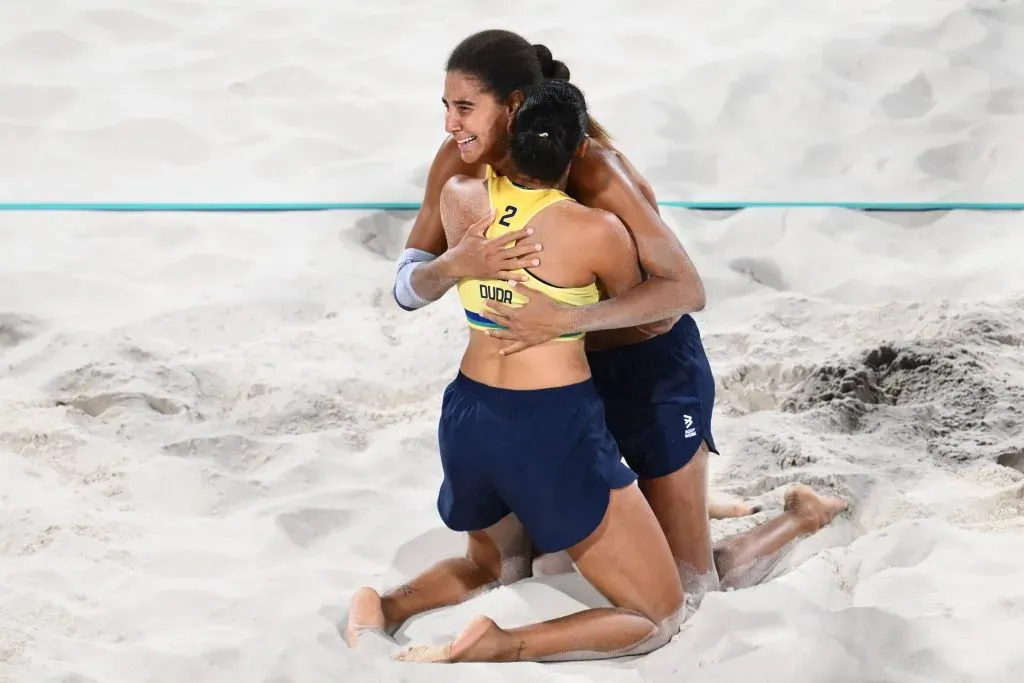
(663, 609)
(663, 631)
(670, 609)
(672, 599)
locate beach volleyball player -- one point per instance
(643, 347)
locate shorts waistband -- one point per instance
(569, 393)
(684, 330)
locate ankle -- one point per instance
(483, 641)
(510, 648)
(501, 645)
(807, 524)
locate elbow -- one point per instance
(398, 300)
(681, 296)
(690, 294)
(403, 291)
(699, 296)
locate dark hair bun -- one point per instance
(544, 143)
(547, 129)
(549, 66)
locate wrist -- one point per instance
(572, 319)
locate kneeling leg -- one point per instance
(498, 555)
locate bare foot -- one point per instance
(364, 614)
(718, 509)
(815, 511)
(480, 641)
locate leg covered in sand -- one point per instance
(629, 562)
(680, 502)
(745, 559)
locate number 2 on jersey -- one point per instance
(510, 211)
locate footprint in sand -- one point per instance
(232, 453)
(382, 233)
(94, 406)
(1013, 458)
(306, 527)
(16, 328)
(760, 270)
(959, 161)
(913, 99)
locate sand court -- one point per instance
(216, 426)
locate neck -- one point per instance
(506, 168)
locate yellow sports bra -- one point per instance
(515, 207)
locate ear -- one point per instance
(514, 101)
(581, 151)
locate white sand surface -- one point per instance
(215, 427)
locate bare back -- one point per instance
(583, 246)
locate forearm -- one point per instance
(421, 279)
(650, 301)
(432, 279)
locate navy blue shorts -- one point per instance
(658, 396)
(544, 454)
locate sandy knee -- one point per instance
(697, 584)
(662, 631)
(665, 607)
